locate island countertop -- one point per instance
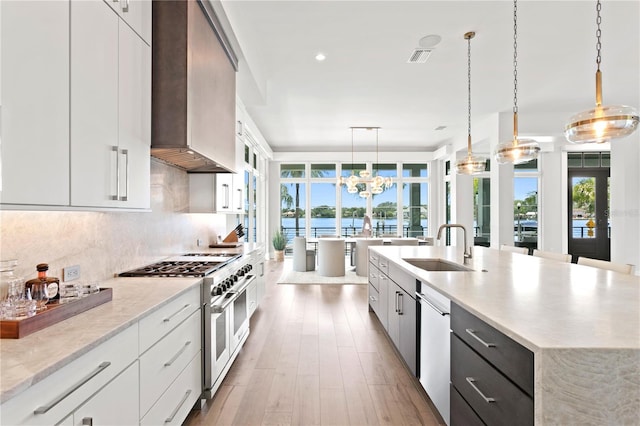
(540, 303)
(581, 323)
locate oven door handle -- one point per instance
(232, 297)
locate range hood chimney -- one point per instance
(193, 88)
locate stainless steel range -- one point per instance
(225, 311)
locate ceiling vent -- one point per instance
(419, 56)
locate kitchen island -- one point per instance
(581, 324)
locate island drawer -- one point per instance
(461, 412)
(374, 273)
(383, 265)
(374, 258)
(374, 299)
(511, 358)
(495, 399)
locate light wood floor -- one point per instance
(316, 356)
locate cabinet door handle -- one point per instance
(173, 359)
(239, 199)
(423, 298)
(471, 380)
(239, 128)
(173, 414)
(125, 197)
(125, 7)
(473, 334)
(167, 319)
(43, 409)
(226, 196)
(87, 421)
(400, 303)
(116, 196)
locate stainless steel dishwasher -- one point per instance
(435, 347)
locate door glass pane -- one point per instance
(348, 169)
(482, 211)
(254, 208)
(583, 207)
(384, 170)
(385, 207)
(525, 211)
(292, 202)
(592, 159)
(323, 209)
(574, 159)
(606, 159)
(447, 213)
(414, 209)
(529, 165)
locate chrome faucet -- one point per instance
(467, 250)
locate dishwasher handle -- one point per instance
(424, 299)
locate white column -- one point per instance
(625, 201)
(501, 186)
(553, 194)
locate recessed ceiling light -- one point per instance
(430, 40)
(320, 57)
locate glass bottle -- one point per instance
(43, 287)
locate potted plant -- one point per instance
(279, 243)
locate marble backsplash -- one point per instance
(107, 243)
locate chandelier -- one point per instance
(369, 184)
(470, 165)
(516, 151)
(602, 123)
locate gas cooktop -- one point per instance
(189, 265)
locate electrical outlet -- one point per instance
(71, 273)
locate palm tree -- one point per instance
(284, 192)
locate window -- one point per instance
(525, 204)
(482, 211)
(323, 209)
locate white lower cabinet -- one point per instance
(176, 402)
(115, 404)
(53, 399)
(149, 373)
(164, 362)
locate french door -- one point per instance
(589, 229)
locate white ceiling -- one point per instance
(300, 104)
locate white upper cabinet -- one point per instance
(34, 103)
(76, 105)
(110, 110)
(135, 13)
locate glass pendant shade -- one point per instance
(517, 151)
(601, 124)
(470, 165)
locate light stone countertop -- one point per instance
(26, 361)
(581, 323)
(540, 303)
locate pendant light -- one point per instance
(470, 165)
(377, 184)
(601, 123)
(517, 150)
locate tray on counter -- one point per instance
(55, 312)
(226, 245)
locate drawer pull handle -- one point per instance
(87, 421)
(423, 298)
(167, 319)
(473, 334)
(172, 360)
(184, 398)
(72, 389)
(471, 380)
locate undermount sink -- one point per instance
(437, 265)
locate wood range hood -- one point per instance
(193, 88)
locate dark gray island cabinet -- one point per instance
(491, 375)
